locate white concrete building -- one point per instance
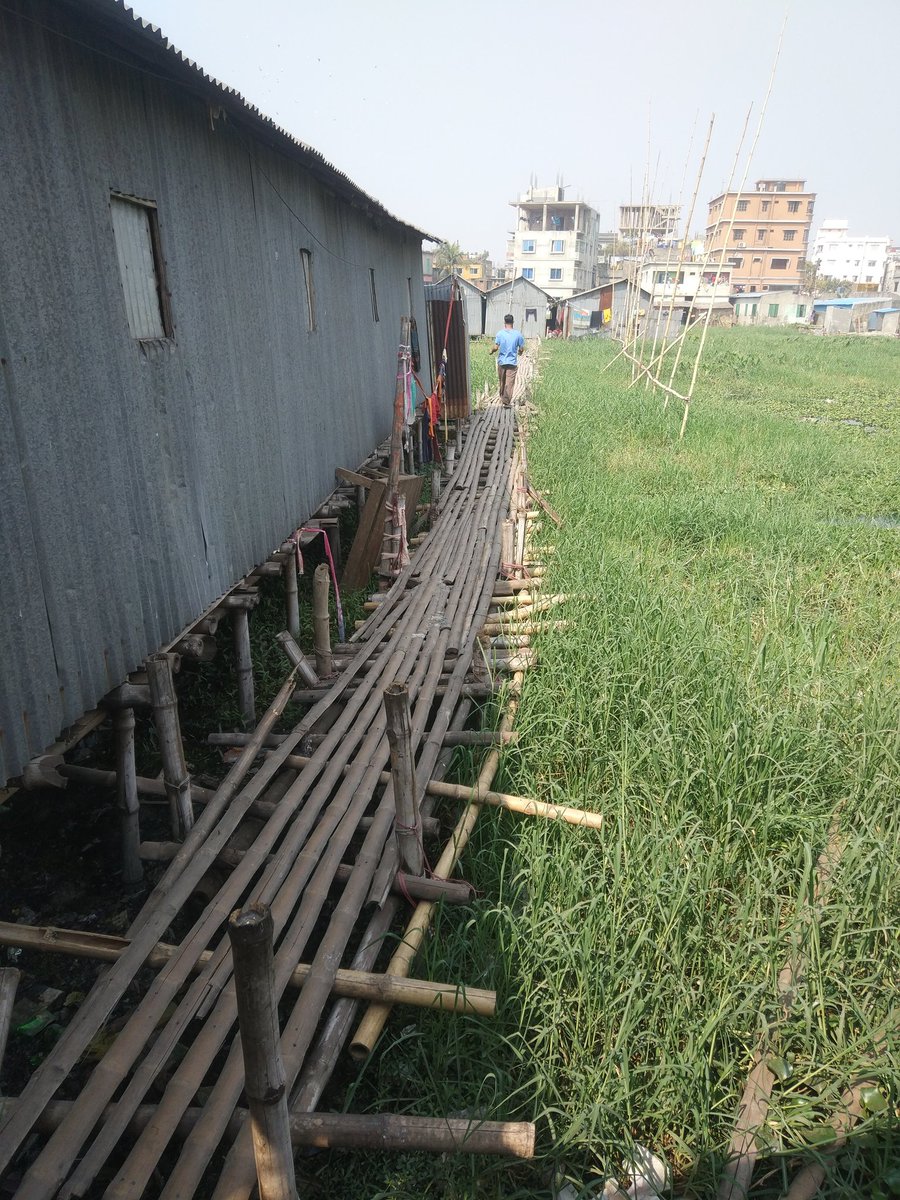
(555, 241)
(860, 260)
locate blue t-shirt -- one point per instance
(509, 341)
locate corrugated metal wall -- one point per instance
(141, 480)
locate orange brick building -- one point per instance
(766, 246)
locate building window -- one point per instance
(374, 294)
(530, 315)
(528, 272)
(738, 234)
(743, 205)
(528, 246)
(736, 262)
(809, 207)
(801, 310)
(790, 234)
(793, 205)
(871, 262)
(141, 268)
(765, 205)
(555, 273)
(773, 310)
(779, 264)
(761, 235)
(306, 264)
(557, 246)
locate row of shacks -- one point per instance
(199, 321)
(601, 311)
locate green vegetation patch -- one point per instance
(725, 692)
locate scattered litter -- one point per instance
(650, 1174)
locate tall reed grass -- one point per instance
(726, 691)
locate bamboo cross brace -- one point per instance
(347, 1131)
(358, 985)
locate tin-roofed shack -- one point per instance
(198, 321)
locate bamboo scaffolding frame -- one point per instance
(296, 857)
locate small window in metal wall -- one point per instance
(306, 263)
(141, 268)
(374, 294)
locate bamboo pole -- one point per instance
(127, 796)
(391, 545)
(350, 983)
(9, 983)
(297, 658)
(406, 824)
(321, 622)
(762, 117)
(346, 1131)
(240, 623)
(165, 716)
(291, 593)
(250, 931)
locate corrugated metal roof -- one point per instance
(149, 43)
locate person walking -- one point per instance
(508, 345)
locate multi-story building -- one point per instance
(649, 223)
(890, 283)
(764, 233)
(859, 260)
(477, 269)
(555, 241)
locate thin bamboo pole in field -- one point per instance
(681, 256)
(759, 125)
(706, 253)
(682, 242)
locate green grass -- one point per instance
(728, 685)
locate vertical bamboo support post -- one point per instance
(127, 796)
(291, 594)
(165, 717)
(409, 841)
(240, 621)
(451, 457)
(436, 478)
(321, 622)
(391, 542)
(9, 982)
(251, 931)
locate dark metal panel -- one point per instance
(448, 330)
(162, 471)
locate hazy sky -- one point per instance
(444, 112)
